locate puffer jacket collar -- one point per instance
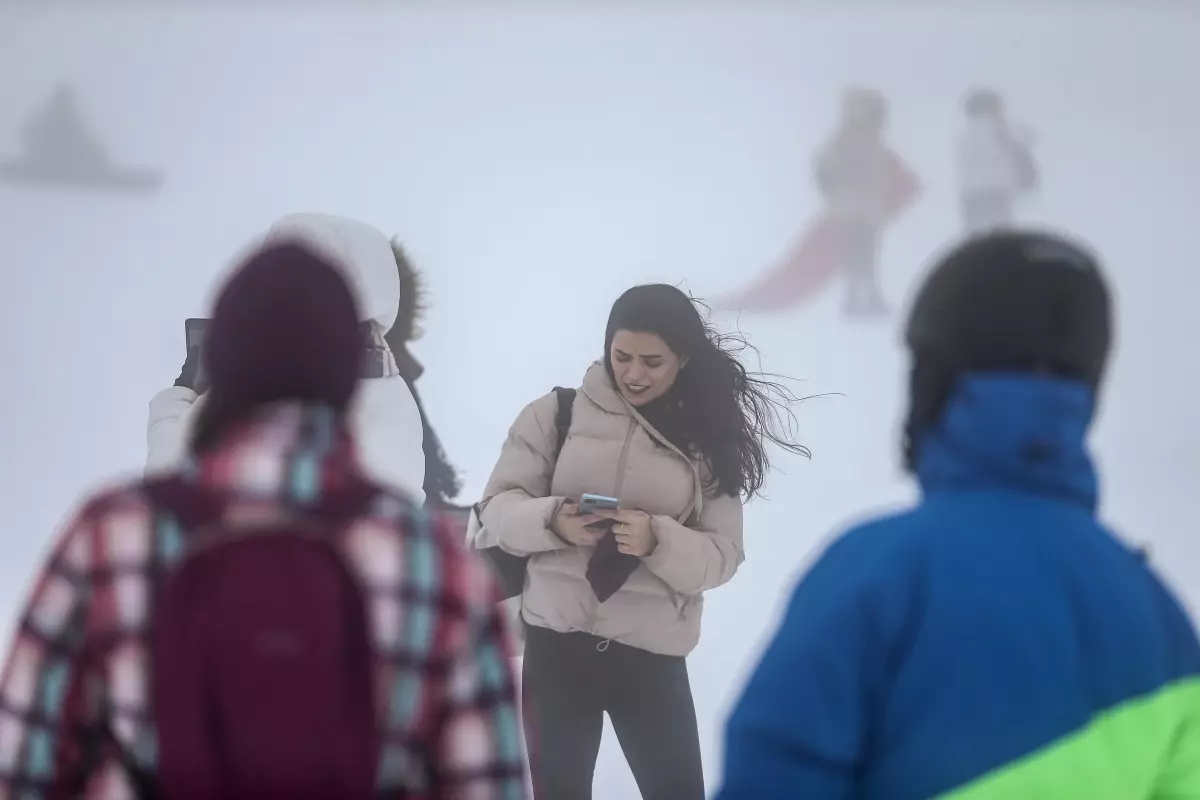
(598, 388)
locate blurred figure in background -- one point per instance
(997, 641)
(60, 147)
(266, 621)
(994, 163)
(385, 417)
(865, 187)
(671, 425)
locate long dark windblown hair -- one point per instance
(716, 410)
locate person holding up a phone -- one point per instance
(171, 409)
(626, 527)
(385, 417)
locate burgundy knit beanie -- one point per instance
(285, 327)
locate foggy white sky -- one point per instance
(537, 163)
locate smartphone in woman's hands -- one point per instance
(579, 529)
(591, 503)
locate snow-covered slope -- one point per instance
(538, 162)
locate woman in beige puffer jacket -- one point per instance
(670, 423)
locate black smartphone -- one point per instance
(193, 332)
(193, 337)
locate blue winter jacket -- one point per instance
(995, 642)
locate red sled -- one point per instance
(818, 254)
(811, 263)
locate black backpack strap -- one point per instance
(562, 420)
(562, 425)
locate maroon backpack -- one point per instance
(263, 670)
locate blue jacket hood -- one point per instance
(1023, 431)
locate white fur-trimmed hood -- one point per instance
(363, 251)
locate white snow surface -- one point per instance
(536, 162)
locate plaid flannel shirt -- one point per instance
(74, 716)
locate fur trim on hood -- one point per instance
(411, 309)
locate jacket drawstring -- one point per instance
(602, 646)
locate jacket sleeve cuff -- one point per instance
(689, 561)
(527, 527)
(664, 559)
(171, 402)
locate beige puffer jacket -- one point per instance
(611, 450)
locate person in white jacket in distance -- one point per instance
(385, 418)
(994, 163)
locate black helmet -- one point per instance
(1012, 300)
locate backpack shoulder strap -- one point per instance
(562, 421)
(562, 425)
(198, 507)
(192, 506)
